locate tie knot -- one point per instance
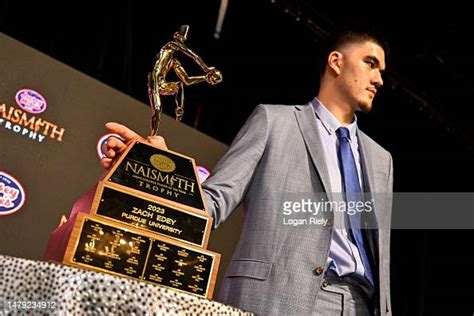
(343, 133)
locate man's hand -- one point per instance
(115, 146)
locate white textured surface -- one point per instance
(75, 291)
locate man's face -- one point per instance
(361, 74)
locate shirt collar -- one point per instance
(329, 121)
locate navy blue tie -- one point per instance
(350, 180)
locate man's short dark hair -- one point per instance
(348, 35)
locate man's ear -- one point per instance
(335, 61)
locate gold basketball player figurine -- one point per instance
(164, 62)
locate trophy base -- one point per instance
(106, 246)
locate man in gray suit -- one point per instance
(332, 269)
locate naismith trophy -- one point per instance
(148, 219)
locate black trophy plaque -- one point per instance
(161, 173)
(138, 211)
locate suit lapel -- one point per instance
(366, 164)
(309, 129)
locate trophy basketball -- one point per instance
(148, 218)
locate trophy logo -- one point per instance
(162, 163)
(148, 219)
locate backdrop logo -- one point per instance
(25, 122)
(12, 194)
(31, 101)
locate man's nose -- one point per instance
(378, 80)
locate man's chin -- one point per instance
(365, 107)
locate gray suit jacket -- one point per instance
(279, 151)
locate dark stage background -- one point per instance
(266, 49)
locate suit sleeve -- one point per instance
(233, 173)
(387, 273)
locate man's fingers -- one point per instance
(115, 144)
(157, 141)
(106, 162)
(123, 131)
(110, 153)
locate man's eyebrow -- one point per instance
(376, 61)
